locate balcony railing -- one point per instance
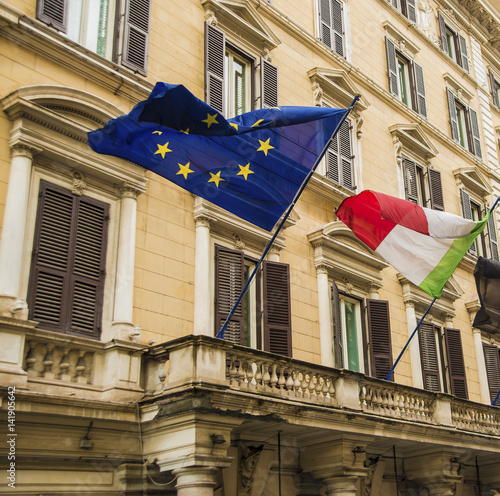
(198, 360)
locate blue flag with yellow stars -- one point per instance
(251, 165)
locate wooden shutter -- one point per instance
(410, 180)
(379, 334)
(269, 84)
(338, 27)
(325, 22)
(277, 315)
(411, 11)
(453, 115)
(67, 276)
(492, 364)
(420, 90)
(392, 67)
(492, 235)
(337, 327)
(467, 213)
(493, 85)
(54, 13)
(215, 47)
(229, 281)
(436, 189)
(136, 35)
(476, 138)
(346, 157)
(463, 55)
(456, 364)
(442, 32)
(429, 357)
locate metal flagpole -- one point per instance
(388, 376)
(496, 398)
(220, 334)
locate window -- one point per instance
(453, 44)
(442, 360)
(262, 319)
(406, 79)
(331, 25)
(495, 89)
(340, 159)
(464, 125)
(407, 8)
(229, 84)
(67, 275)
(492, 363)
(360, 325)
(422, 187)
(92, 24)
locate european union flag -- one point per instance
(251, 165)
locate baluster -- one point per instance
(289, 383)
(80, 368)
(282, 380)
(48, 362)
(402, 411)
(64, 364)
(266, 379)
(303, 386)
(31, 360)
(296, 384)
(362, 396)
(318, 388)
(312, 385)
(254, 375)
(390, 403)
(274, 378)
(240, 374)
(233, 372)
(324, 391)
(369, 398)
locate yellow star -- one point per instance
(265, 146)
(184, 170)
(162, 149)
(158, 132)
(215, 178)
(185, 131)
(257, 123)
(244, 171)
(234, 125)
(211, 119)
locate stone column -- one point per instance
(195, 481)
(416, 369)
(344, 485)
(124, 288)
(481, 367)
(13, 232)
(274, 254)
(202, 294)
(325, 317)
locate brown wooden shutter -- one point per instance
(229, 281)
(429, 357)
(467, 213)
(442, 32)
(136, 35)
(411, 11)
(463, 56)
(338, 28)
(392, 67)
(337, 327)
(476, 138)
(453, 115)
(215, 51)
(277, 314)
(325, 22)
(54, 13)
(346, 157)
(436, 189)
(492, 364)
(410, 180)
(67, 275)
(379, 334)
(493, 86)
(456, 364)
(421, 104)
(492, 235)
(269, 84)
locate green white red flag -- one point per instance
(424, 245)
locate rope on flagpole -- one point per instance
(220, 334)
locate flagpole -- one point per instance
(220, 334)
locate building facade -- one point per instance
(114, 282)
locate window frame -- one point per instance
(494, 88)
(332, 29)
(459, 50)
(232, 53)
(407, 8)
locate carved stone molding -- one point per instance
(79, 183)
(129, 191)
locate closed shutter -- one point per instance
(136, 35)
(467, 213)
(338, 28)
(411, 11)
(476, 138)
(379, 334)
(436, 189)
(214, 68)
(346, 157)
(410, 180)
(492, 234)
(463, 56)
(269, 84)
(277, 314)
(325, 23)
(337, 327)
(54, 13)
(229, 281)
(420, 90)
(453, 115)
(67, 276)
(392, 67)
(492, 363)
(429, 357)
(442, 33)
(456, 365)
(493, 85)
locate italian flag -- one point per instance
(424, 245)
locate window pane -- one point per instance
(240, 89)
(461, 127)
(351, 333)
(74, 20)
(403, 81)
